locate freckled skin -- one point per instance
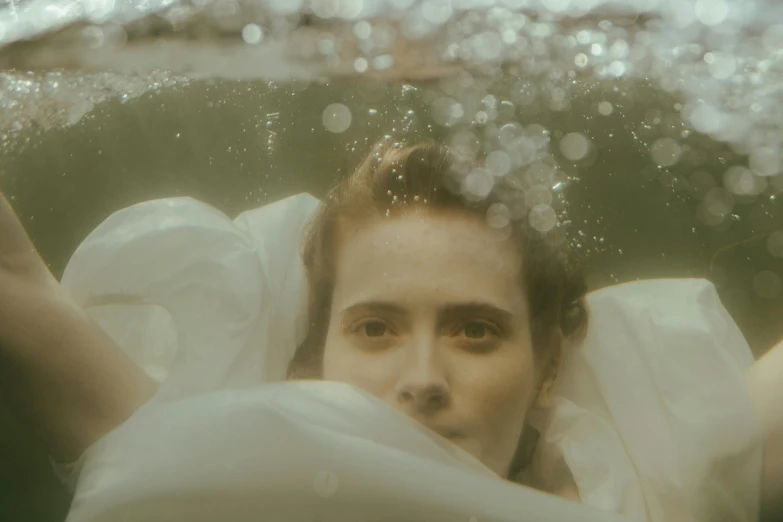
(477, 382)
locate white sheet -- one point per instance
(651, 414)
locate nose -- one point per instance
(422, 385)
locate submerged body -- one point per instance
(649, 455)
(429, 312)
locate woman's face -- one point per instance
(428, 314)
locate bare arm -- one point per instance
(765, 383)
(59, 372)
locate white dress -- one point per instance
(651, 415)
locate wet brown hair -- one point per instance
(390, 181)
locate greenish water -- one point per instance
(239, 145)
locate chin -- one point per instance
(473, 447)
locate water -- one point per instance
(652, 134)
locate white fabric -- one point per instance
(651, 414)
(179, 285)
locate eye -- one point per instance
(477, 330)
(373, 335)
(374, 329)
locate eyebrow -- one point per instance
(473, 308)
(379, 307)
(476, 308)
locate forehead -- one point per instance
(422, 259)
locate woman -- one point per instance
(462, 329)
(429, 297)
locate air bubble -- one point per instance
(605, 108)
(538, 134)
(284, 7)
(617, 68)
(325, 8)
(742, 182)
(361, 65)
(574, 146)
(252, 34)
(765, 161)
(498, 215)
(542, 218)
(556, 6)
(362, 30)
(775, 243)
(666, 152)
(720, 65)
(523, 93)
(336, 118)
(522, 152)
(92, 34)
(717, 204)
(509, 134)
(701, 183)
(382, 62)
(436, 12)
(711, 12)
(538, 195)
(445, 111)
(498, 162)
(767, 284)
(465, 144)
(708, 119)
(478, 184)
(540, 174)
(487, 46)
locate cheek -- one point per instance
(499, 389)
(343, 363)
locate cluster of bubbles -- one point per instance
(722, 59)
(57, 99)
(499, 155)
